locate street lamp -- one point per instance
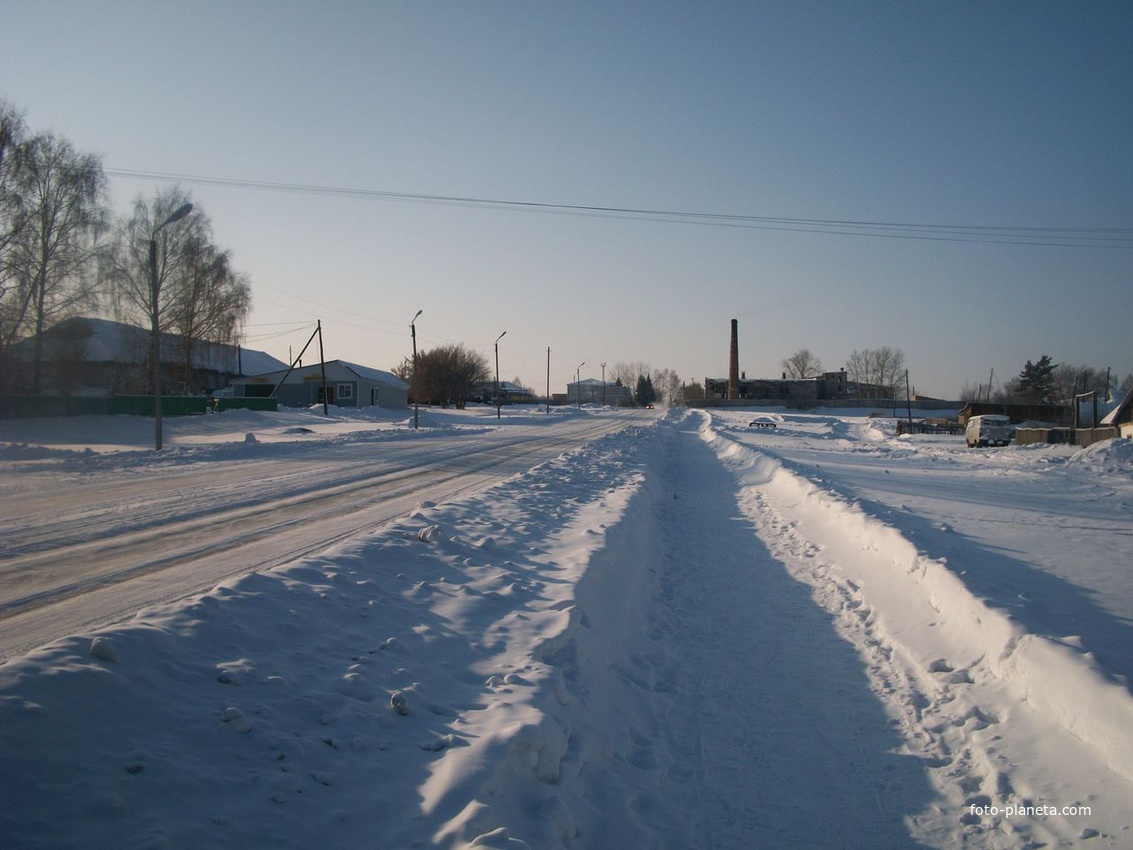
(155, 327)
(417, 391)
(578, 382)
(498, 402)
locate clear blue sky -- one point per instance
(967, 114)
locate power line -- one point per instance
(1076, 237)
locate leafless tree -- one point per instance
(448, 375)
(210, 303)
(627, 373)
(971, 392)
(12, 306)
(50, 258)
(667, 384)
(201, 298)
(802, 364)
(878, 372)
(691, 391)
(1071, 380)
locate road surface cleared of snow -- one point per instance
(688, 633)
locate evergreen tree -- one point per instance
(644, 393)
(1036, 381)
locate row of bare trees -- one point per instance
(1045, 382)
(63, 253)
(877, 372)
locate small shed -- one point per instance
(347, 385)
(1121, 417)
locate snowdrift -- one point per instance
(975, 679)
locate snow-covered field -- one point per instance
(691, 633)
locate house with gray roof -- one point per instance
(85, 356)
(346, 385)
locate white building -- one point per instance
(347, 385)
(593, 391)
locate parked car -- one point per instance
(989, 430)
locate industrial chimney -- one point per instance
(734, 362)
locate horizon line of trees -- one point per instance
(1044, 382)
(64, 253)
(1039, 382)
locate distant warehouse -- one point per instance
(347, 385)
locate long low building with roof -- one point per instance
(336, 382)
(86, 356)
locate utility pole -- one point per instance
(548, 379)
(155, 324)
(322, 366)
(416, 392)
(498, 401)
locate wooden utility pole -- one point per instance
(322, 366)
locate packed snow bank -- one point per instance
(364, 691)
(190, 437)
(1013, 707)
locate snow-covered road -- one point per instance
(95, 539)
(687, 633)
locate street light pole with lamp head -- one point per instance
(578, 382)
(498, 402)
(155, 327)
(416, 392)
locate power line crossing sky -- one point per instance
(617, 181)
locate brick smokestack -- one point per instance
(734, 362)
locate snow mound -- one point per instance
(1109, 457)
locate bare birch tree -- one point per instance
(877, 371)
(210, 303)
(201, 298)
(63, 217)
(12, 132)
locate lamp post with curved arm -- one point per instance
(578, 382)
(155, 326)
(417, 388)
(498, 401)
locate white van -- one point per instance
(989, 430)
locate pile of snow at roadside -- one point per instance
(371, 690)
(1109, 457)
(1009, 718)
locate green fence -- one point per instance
(269, 404)
(37, 406)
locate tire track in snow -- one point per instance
(74, 586)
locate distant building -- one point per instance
(347, 385)
(593, 391)
(99, 357)
(828, 386)
(509, 393)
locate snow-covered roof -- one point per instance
(590, 382)
(377, 375)
(1120, 412)
(107, 341)
(366, 373)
